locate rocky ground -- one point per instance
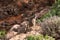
(50, 27)
(12, 35)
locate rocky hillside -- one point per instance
(23, 13)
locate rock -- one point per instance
(13, 31)
(17, 29)
(19, 37)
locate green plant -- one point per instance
(2, 33)
(39, 37)
(55, 11)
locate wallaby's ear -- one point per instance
(19, 2)
(26, 1)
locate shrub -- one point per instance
(51, 26)
(39, 37)
(2, 33)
